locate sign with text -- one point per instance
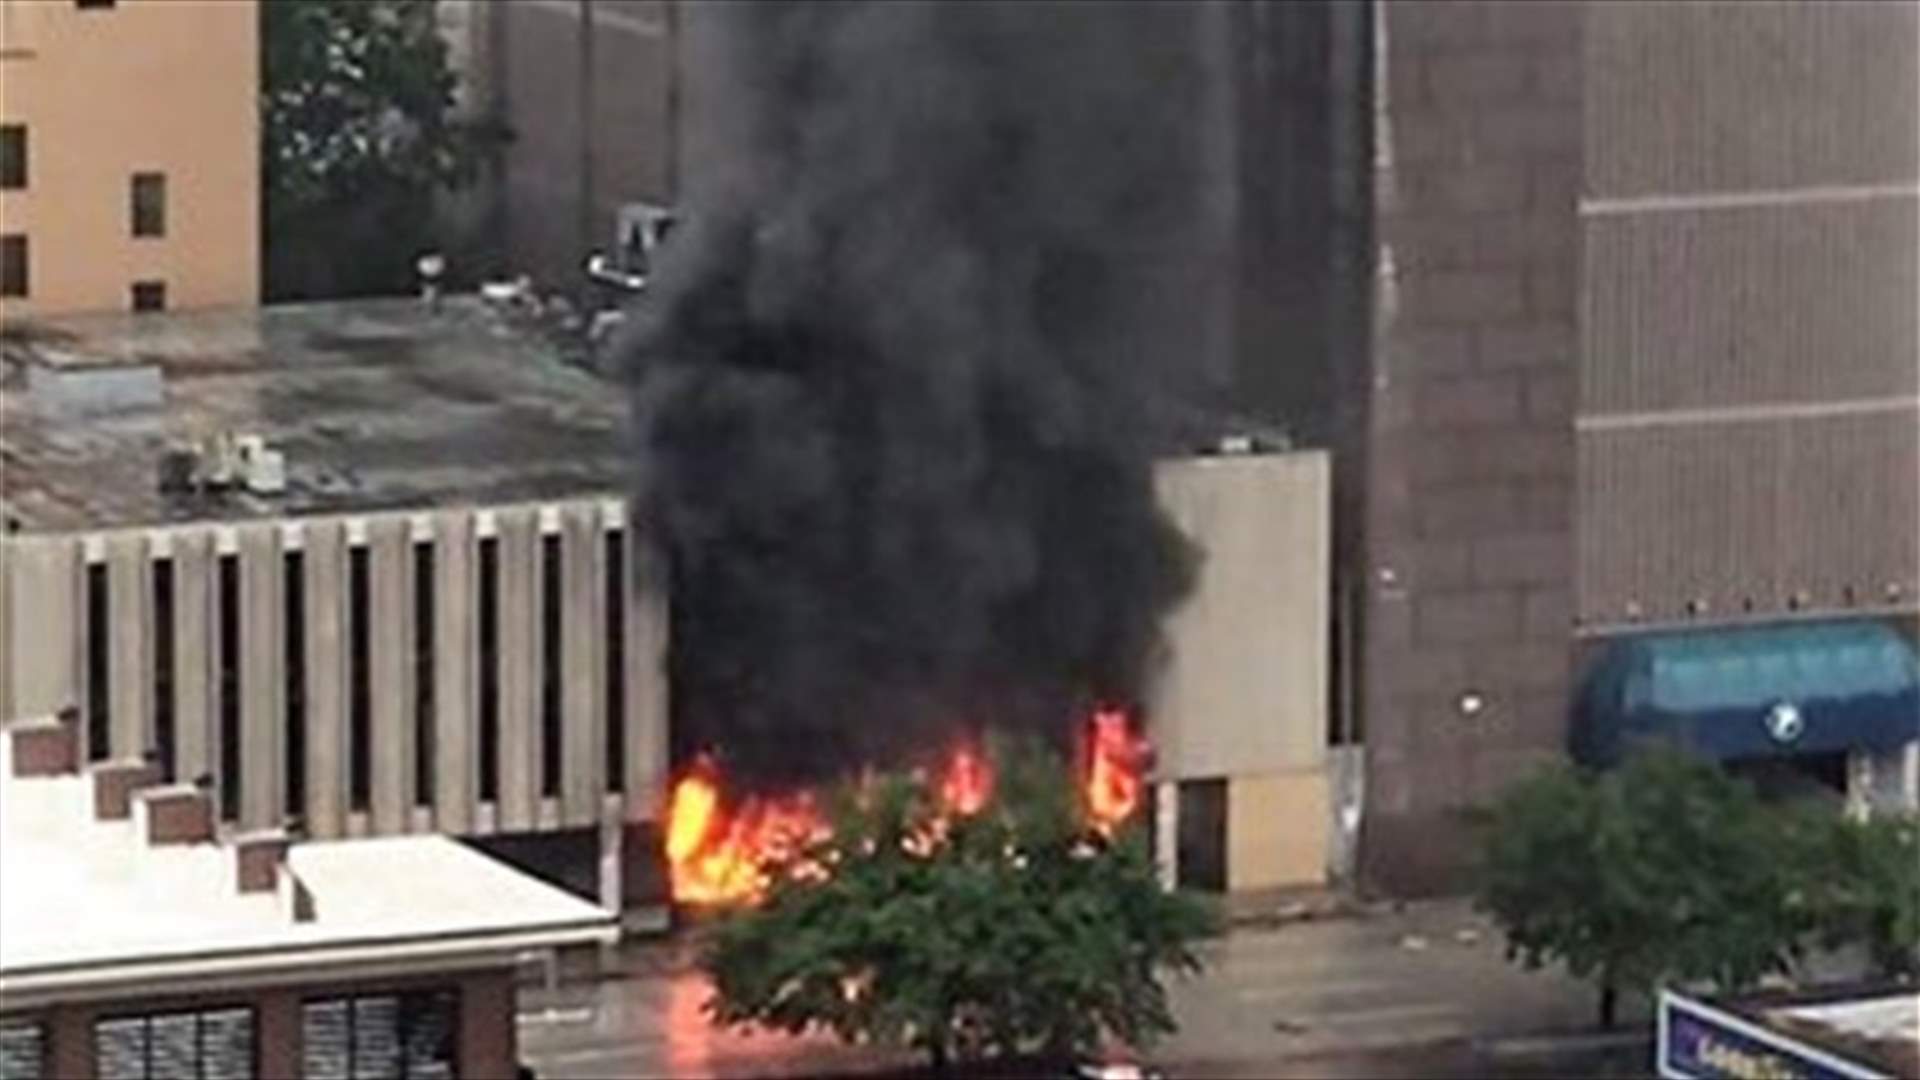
(1698, 1042)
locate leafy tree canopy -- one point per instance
(358, 132)
(1016, 931)
(1665, 870)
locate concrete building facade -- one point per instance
(1642, 358)
(439, 621)
(114, 197)
(1243, 797)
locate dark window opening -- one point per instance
(294, 614)
(423, 742)
(163, 725)
(13, 156)
(13, 265)
(489, 635)
(99, 671)
(149, 296)
(359, 681)
(23, 1050)
(149, 198)
(229, 684)
(1202, 852)
(550, 665)
(86, 4)
(406, 1036)
(616, 688)
(1343, 707)
(212, 1044)
(1794, 777)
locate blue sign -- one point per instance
(1698, 1042)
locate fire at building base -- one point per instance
(718, 844)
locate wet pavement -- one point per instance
(1414, 993)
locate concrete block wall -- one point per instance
(1467, 524)
(47, 638)
(1243, 694)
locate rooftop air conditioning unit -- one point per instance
(264, 471)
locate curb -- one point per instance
(1562, 1044)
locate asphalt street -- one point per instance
(1424, 991)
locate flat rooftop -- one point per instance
(375, 404)
(89, 902)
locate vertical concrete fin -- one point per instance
(327, 751)
(390, 562)
(262, 677)
(519, 686)
(130, 645)
(193, 653)
(582, 649)
(456, 743)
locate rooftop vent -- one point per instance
(94, 389)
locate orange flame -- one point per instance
(1115, 765)
(967, 783)
(717, 855)
(714, 858)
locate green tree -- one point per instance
(1664, 870)
(1862, 883)
(1019, 931)
(357, 137)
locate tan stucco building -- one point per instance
(129, 155)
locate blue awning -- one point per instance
(1798, 689)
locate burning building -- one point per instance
(900, 390)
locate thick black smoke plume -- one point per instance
(894, 381)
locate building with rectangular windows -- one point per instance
(134, 943)
(365, 567)
(129, 155)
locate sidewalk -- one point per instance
(1433, 973)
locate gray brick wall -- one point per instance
(1468, 525)
(539, 80)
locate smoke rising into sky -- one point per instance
(893, 381)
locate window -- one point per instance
(294, 663)
(13, 265)
(489, 633)
(423, 673)
(407, 1036)
(616, 674)
(228, 661)
(1201, 856)
(23, 1050)
(86, 4)
(149, 296)
(214, 1044)
(149, 204)
(163, 665)
(13, 156)
(359, 685)
(99, 672)
(550, 665)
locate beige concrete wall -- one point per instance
(1244, 689)
(1277, 830)
(147, 85)
(43, 615)
(44, 625)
